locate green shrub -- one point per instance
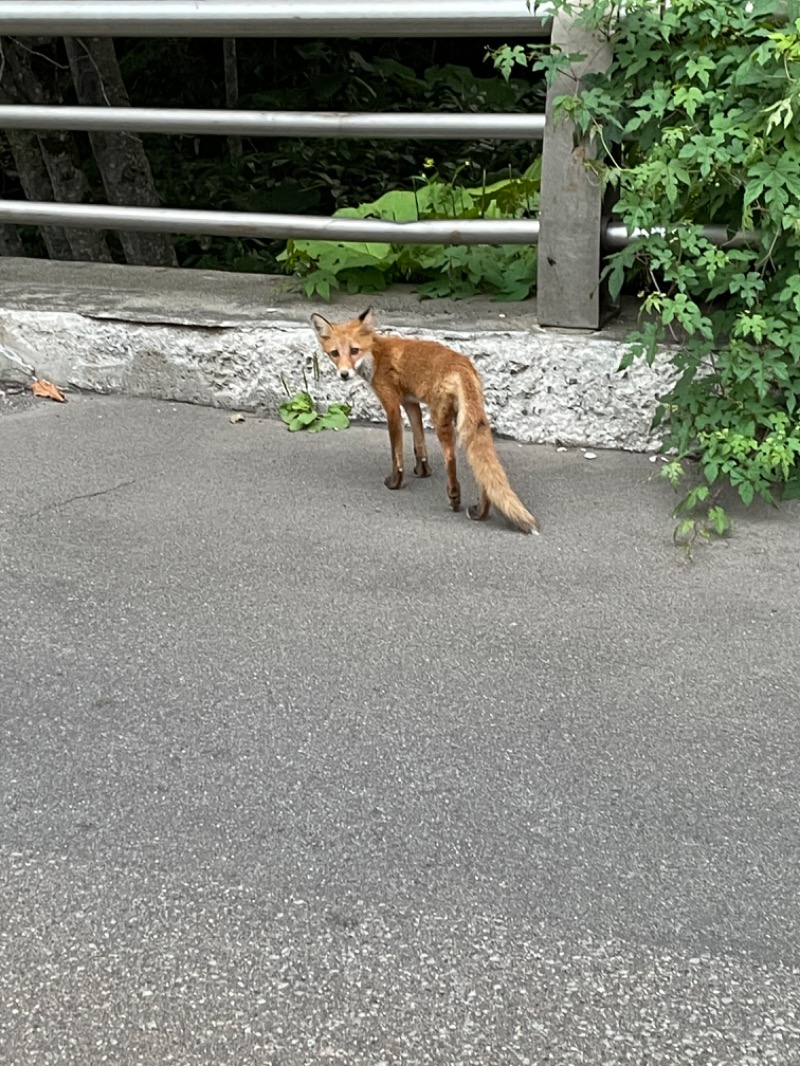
(698, 119)
(507, 272)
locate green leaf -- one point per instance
(701, 68)
(746, 492)
(335, 420)
(302, 420)
(506, 58)
(719, 520)
(711, 471)
(297, 404)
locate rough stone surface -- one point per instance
(232, 340)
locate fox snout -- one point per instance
(346, 373)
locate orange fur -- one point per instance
(405, 373)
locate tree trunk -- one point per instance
(120, 157)
(36, 185)
(71, 185)
(45, 161)
(10, 242)
(231, 89)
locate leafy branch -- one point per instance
(699, 119)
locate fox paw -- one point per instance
(422, 468)
(394, 481)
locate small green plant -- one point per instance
(698, 121)
(300, 411)
(506, 272)
(695, 528)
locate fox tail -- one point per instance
(475, 437)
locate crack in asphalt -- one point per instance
(57, 504)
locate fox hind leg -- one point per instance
(447, 439)
(479, 512)
(412, 410)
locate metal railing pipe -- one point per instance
(418, 126)
(617, 236)
(272, 18)
(249, 224)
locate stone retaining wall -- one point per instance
(228, 341)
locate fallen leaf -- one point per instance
(237, 416)
(48, 390)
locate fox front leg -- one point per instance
(395, 479)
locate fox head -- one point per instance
(349, 344)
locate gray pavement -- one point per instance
(295, 769)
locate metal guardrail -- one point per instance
(273, 123)
(201, 18)
(616, 236)
(249, 224)
(573, 264)
(416, 125)
(569, 261)
(272, 18)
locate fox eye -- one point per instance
(334, 352)
(354, 351)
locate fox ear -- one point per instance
(321, 325)
(367, 318)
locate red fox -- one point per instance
(405, 373)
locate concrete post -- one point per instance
(570, 208)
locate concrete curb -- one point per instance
(231, 340)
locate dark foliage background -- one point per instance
(312, 176)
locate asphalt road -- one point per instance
(295, 769)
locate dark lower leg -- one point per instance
(421, 467)
(480, 511)
(395, 479)
(447, 440)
